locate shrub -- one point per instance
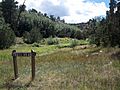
(33, 36)
(73, 43)
(52, 41)
(78, 34)
(7, 36)
(27, 38)
(19, 40)
(35, 45)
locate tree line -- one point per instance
(31, 24)
(104, 31)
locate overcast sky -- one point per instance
(73, 11)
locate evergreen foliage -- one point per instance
(105, 31)
(9, 9)
(33, 36)
(7, 36)
(32, 25)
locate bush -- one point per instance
(33, 36)
(73, 43)
(78, 34)
(35, 45)
(27, 38)
(7, 36)
(52, 41)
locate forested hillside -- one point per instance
(31, 24)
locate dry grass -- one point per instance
(67, 69)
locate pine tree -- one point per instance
(7, 36)
(9, 9)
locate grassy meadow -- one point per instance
(62, 67)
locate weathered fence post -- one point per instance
(33, 63)
(15, 64)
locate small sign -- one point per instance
(32, 54)
(25, 54)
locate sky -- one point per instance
(73, 11)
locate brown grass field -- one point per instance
(63, 69)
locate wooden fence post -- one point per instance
(15, 64)
(33, 54)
